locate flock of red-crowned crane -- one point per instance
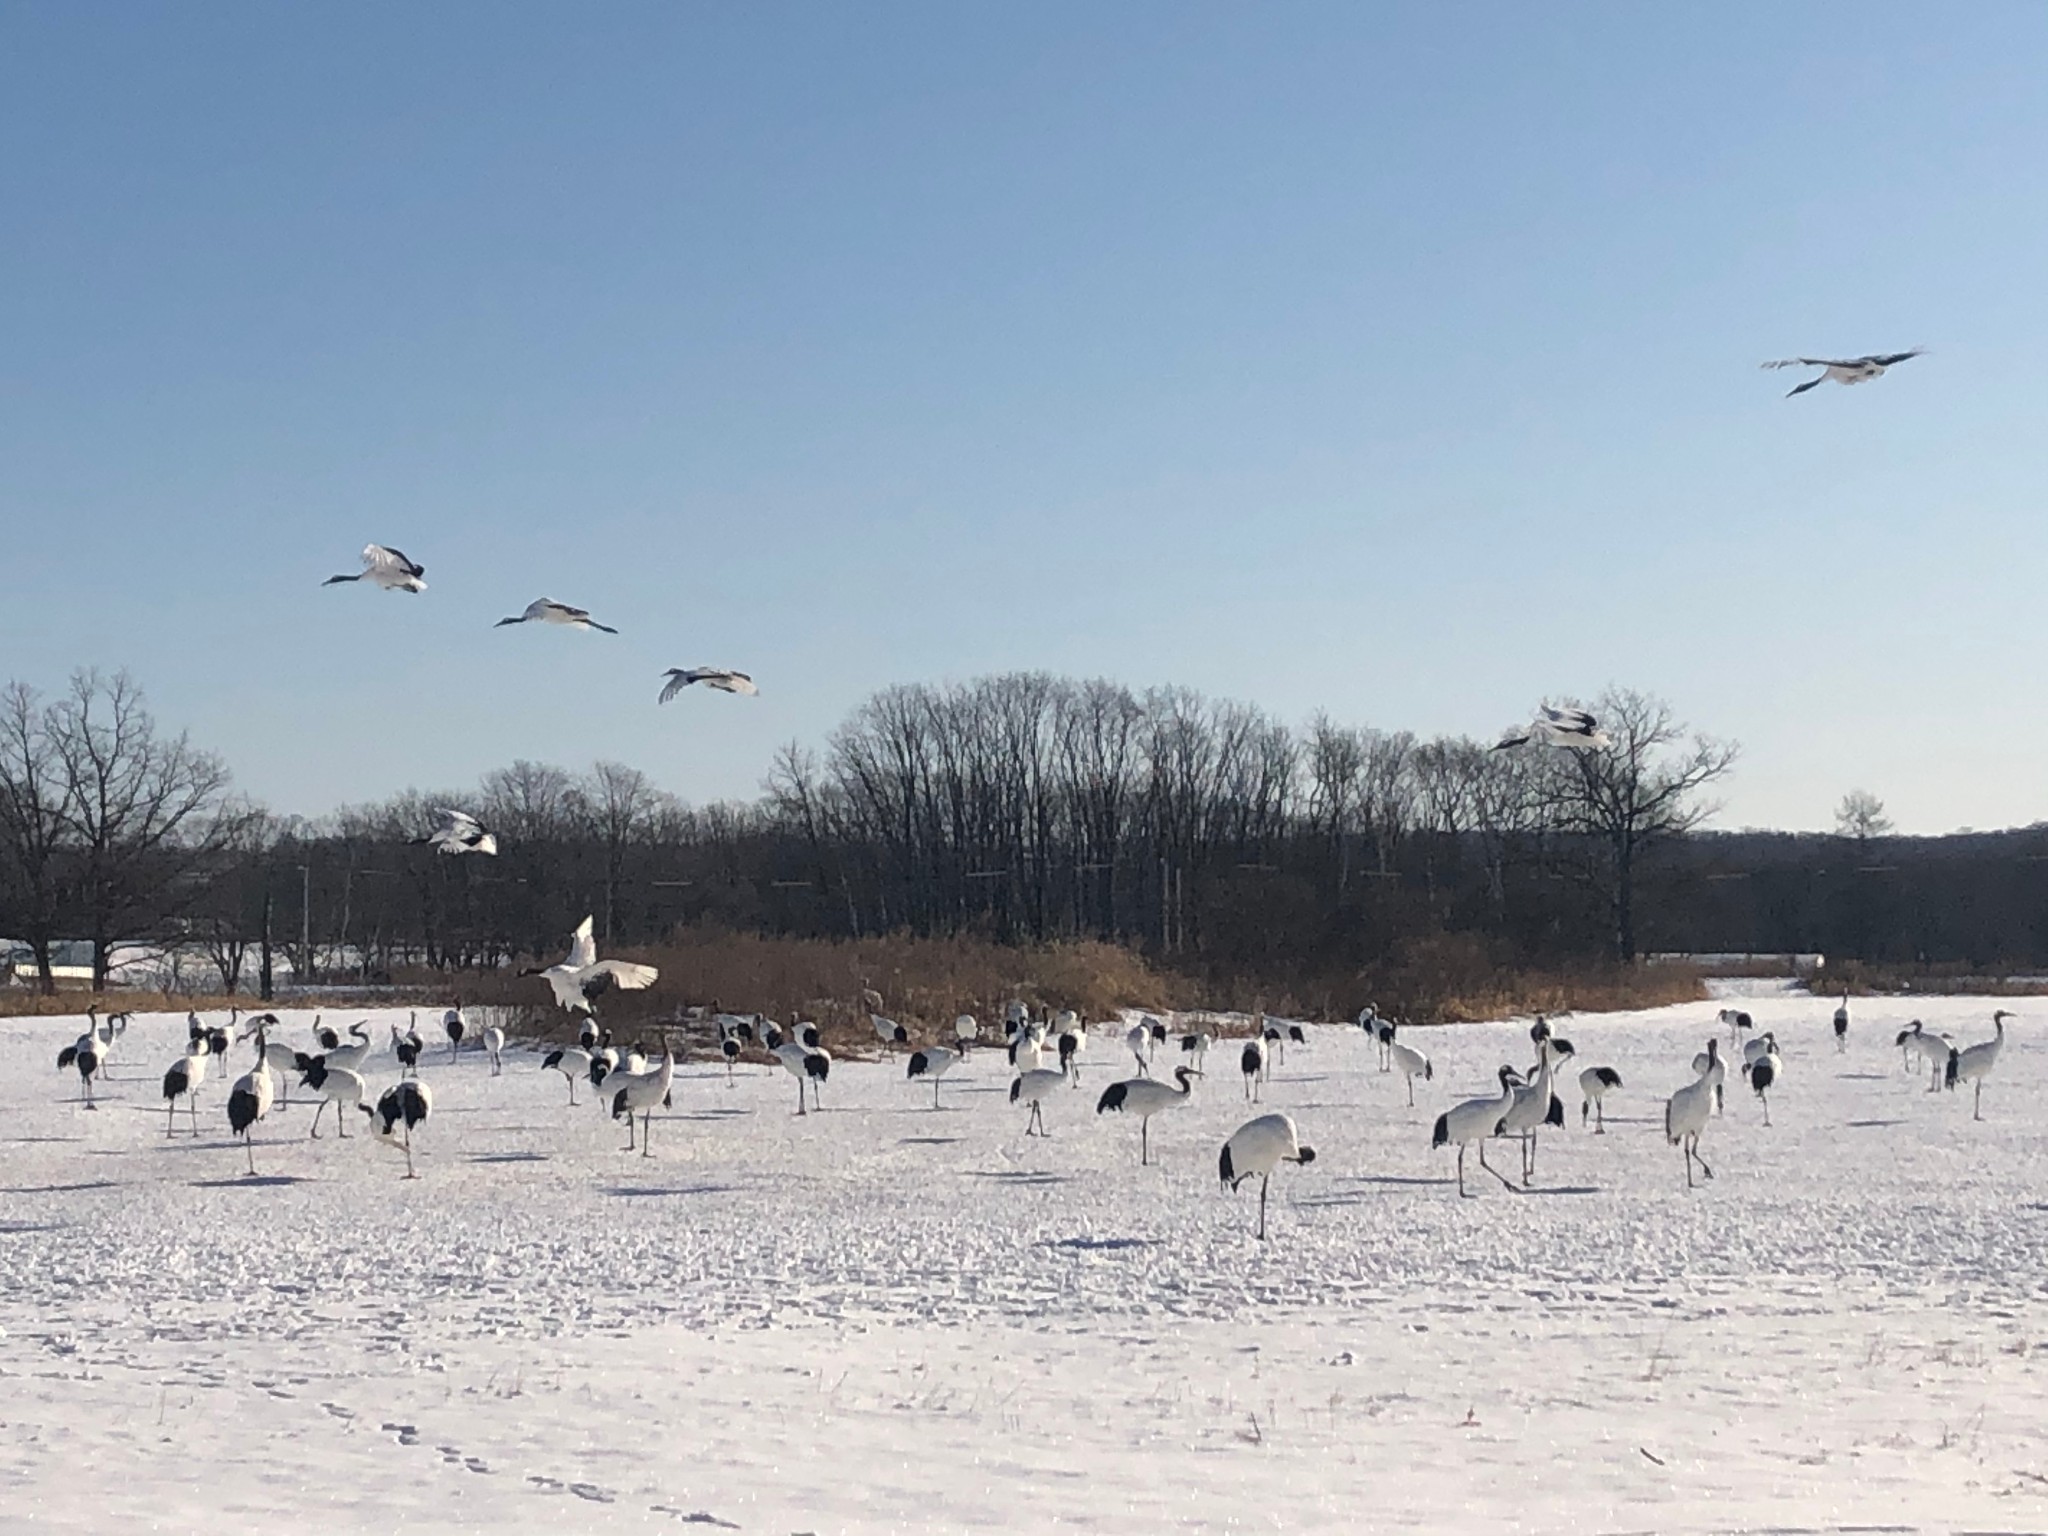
(1045, 1054)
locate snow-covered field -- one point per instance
(885, 1318)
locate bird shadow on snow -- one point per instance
(645, 1192)
(1017, 1176)
(509, 1157)
(252, 1181)
(29, 1141)
(61, 1189)
(928, 1141)
(1100, 1244)
(12, 1228)
(1864, 1077)
(1871, 1125)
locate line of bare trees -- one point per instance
(1020, 807)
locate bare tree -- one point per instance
(617, 805)
(32, 828)
(1644, 788)
(1861, 816)
(149, 813)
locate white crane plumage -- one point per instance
(340, 1086)
(934, 1062)
(182, 1081)
(1933, 1050)
(457, 832)
(638, 1091)
(1851, 370)
(248, 1102)
(1409, 1062)
(545, 610)
(1138, 1039)
(1258, 1147)
(387, 568)
(1973, 1063)
(1573, 729)
(1251, 1061)
(1033, 1088)
(724, 679)
(583, 976)
(572, 1061)
(1536, 1105)
(1763, 1069)
(1477, 1120)
(1594, 1083)
(888, 1031)
(407, 1104)
(805, 1064)
(1146, 1097)
(1686, 1112)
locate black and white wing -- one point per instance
(724, 679)
(1814, 362)
(381, 557)
(1572, 722)
(1891, 359)
(461, 832)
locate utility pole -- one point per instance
(305, 924)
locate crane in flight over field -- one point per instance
(583, 976)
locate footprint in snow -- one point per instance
(592, 1492)
(693, 1517)
(408, 1434)
(338, 1411)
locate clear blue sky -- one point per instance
(1394, 359)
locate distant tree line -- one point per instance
(1020, 808)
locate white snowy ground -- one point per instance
(882, 1318)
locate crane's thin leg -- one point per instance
(409, 1171)
(341, 1122)
(192, 1104)
(249, 1147)
(1463, 1193)
(1411, 1093)
(572, 1088)
(1144, 1142)
(1599, 1118)
(1262, 1207)
(318, 1111)
(1978, 1112)
(171, 1125)
(646, 1130)
(1506, 1183)
(1767, 1107)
